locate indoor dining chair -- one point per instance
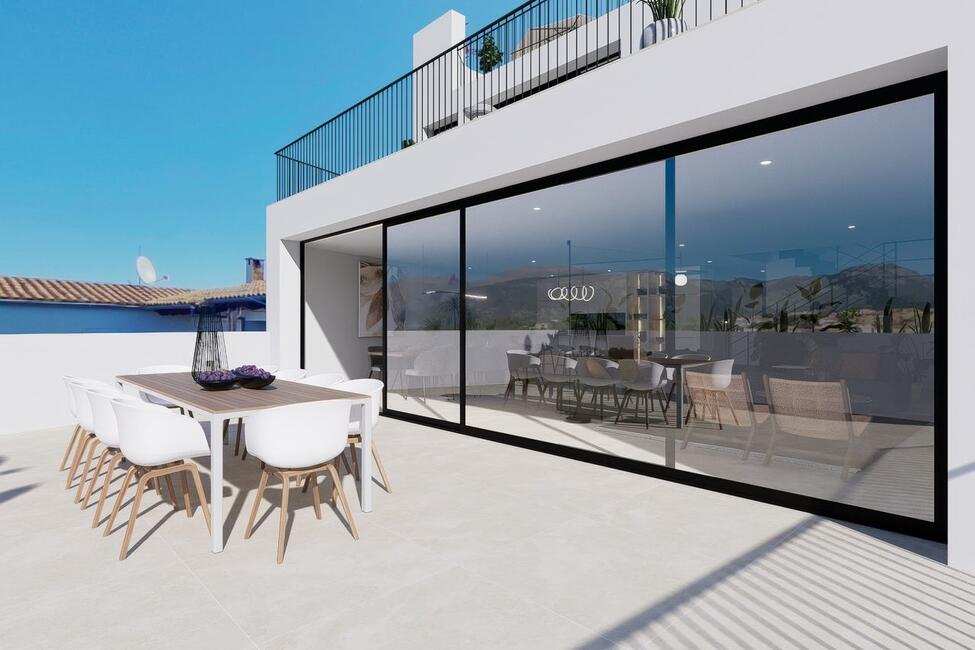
(296, 441)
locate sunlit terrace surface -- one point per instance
(479, 545)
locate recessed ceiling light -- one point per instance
(709, 261)
(680, 279)
(609, 270)
(681, 245)
(533, 261)
(536, 209)
(765, 163)
(469, 268)
(763, 270)
(851, 227)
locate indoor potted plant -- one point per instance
(668, 20)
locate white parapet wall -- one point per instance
(33, 364)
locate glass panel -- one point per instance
(423, 317)
(567, 275)
(809, 258)
(787, 280)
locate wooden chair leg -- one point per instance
(172, 491)
(316, 496)
(257, 501)
(94, 479)
(133, 515)
(345, 462)
(78, 454)
(663, 409)
(119, 499)
(304, 486)
(104, 495)
(382, 470)
(355, 460)
(340, 493)
(184, 482)
(200, 494)
(71, 442)
(84, 473)
(283, 522)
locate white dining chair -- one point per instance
(324, 379)
(159, 370)
(157, 443)
(642, 379)
(106, 430)
(78, 433)
(290, 374)
(296, 441)
(374, 389)
(82, 413)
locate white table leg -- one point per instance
(216, 484)
(365, 459)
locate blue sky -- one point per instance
(128, 124)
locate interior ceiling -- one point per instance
(367, 242)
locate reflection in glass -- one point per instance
(779, 291)
(423, 317)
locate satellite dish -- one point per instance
(146, 270)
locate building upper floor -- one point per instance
(457, 78)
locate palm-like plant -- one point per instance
(663, 9)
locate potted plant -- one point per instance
(668, 20)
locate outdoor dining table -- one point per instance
(216, 407)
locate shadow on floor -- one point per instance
(822, 583)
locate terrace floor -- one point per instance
(480, 545)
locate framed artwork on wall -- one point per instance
(370, 299)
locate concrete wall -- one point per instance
(33, 395)
(769, 58)
(332, 342)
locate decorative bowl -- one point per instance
(256, 382)
(218, 385)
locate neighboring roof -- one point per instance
(254, 289)
(14, 288)
(107, 293)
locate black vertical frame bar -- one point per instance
(941, 298)
(670, 243)
(301, 304)
(385, 319)
(462, 305)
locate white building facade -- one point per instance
(782, 187)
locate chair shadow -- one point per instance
(13, 493)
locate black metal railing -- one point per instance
(537, 45)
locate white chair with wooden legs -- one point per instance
(106, 429)
(324, 379)
(810, 409)
(77, 434)
(296, 441)
(86, 439)
(290, 374)
(374, 389)
(159, 370)
(157, 443)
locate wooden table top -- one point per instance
(180, 388)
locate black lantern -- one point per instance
(210, 352)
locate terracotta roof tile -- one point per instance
(251, 289)
(15, 288)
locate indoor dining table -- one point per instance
(216, 407)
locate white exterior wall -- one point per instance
(34, 395)
(769, 58)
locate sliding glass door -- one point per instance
(764, 312)
(423, 317)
